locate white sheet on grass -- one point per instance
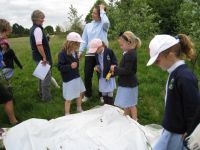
(103, 128)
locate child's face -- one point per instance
(123, 44)
(163, 61)
(4, 46)
(100, 49)
(75, 46)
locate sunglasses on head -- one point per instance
(121, 34)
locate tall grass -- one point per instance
(28, 105)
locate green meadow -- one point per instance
(25, 85)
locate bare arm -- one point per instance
(42, 53)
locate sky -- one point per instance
(19, 11)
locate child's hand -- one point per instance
(112, 68)
(74, 65)
(97, 69)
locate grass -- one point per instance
(28, 105)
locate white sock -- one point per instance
(79, 109)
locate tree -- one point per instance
(49, 29)
(134, 15)
(18, 30)
(74, 20)
(58, 29)
(166, 10)
(189, 19)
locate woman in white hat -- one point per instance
(68, 65)
(182, 93)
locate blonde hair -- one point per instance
(184, 49)
(68, 46)
(36, 15)
(133, 39)
(5, 26)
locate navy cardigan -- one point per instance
(183, 100)
(64, 66)
(109, 59)
(127, 69)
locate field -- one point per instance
(28, 105)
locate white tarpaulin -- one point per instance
(102, 128)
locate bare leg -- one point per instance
(126, 111)
(67, 107)
(133, 110)
(9, 109)
(78, 104)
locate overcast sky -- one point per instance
(19, 11)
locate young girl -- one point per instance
(68, 65)
(104, 58)
(127, 92)
(5, 95)
(9, 58)
(182, 96)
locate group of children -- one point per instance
(106, 68)
(182, 98)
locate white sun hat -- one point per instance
(159, 44)
(73, 36)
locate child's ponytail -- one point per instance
(187, 46)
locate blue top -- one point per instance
(95, 29)
(1, 59)
(182, 100)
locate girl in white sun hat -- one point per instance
(68, 65)
(182, 96)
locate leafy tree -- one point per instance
(74, 20)
(58, 29)
(18, 30)
(133, 15)
(189, 19)
(166, 9)
(49, 29)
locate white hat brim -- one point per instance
(152, 60)
(92, 50)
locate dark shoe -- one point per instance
(108, 100)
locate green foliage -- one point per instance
(49, 30)
(133, 15)
(19, 31)
(74, 20)
(189, 19)
(166, 9)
